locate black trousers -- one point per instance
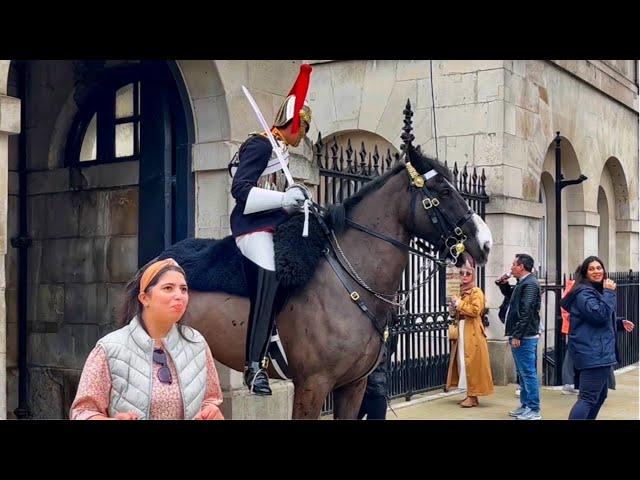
(374, 407)
(263, 291)
(594, 386)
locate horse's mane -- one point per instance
(422, 163)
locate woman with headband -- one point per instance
(152, 368)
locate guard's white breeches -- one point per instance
(258, 247)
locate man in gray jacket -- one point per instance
(522, 323)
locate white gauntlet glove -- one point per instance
(260, 199)
(294, 197)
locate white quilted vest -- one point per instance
(130, 356)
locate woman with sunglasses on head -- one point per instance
(152, 368)
(469, 366)
(591, 304)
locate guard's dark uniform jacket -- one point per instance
(253, 156)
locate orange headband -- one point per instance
(152, 270)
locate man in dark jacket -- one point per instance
(521, 307)
(374, 403)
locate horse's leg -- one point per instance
(309, 396)
(347, 400)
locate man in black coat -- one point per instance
(521, 313)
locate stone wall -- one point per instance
(83, 225)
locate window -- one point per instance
(107, 127)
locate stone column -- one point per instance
(514, 225)
(582, 238)
(627, 245)
(9, 124)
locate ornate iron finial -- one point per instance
(407, 137)
(387, 160)
(350, 154)
(363, 155)
(455, 172)
(474, 181)
(465, 180)
(483, 179)
(376, 161)
(342, 161)
(334, 154)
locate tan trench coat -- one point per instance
(476, 351)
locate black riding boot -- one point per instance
(263, 288)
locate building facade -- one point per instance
(87, 146)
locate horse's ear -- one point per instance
(417, 159)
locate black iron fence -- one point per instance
(627, 309)
(421, 360)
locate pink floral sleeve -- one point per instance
(213, 393)
(92, 397)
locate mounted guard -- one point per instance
(263, 203)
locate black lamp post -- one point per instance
(560, 184)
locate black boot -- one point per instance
(263, 288)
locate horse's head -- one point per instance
(440, 215)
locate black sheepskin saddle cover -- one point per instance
(216, 265)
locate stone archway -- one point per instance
(623, 215)
(547, 192)
(604, 245)
(579, 227)
(9, 125)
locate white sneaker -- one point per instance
(569, 390)
(518, 411)
(530, 415)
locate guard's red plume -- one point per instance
(299, 89)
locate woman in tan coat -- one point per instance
(469, 365)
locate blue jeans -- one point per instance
(525, 359)
(594, 384)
